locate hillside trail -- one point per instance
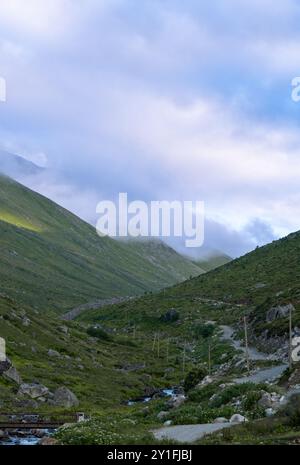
(262, 375)
(75, 312)
(192, 433)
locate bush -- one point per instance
(99, 333)
(204, 331)
(193, 378)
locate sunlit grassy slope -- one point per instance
(51, 259)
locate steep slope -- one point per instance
(264, 273)
(51, 259)
(213, 261)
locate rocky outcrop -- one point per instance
(280, 311)
(34, 390)
(13, 375)
(65, 398)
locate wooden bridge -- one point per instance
(27, 421)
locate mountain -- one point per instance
(271, 271)
(213, 260)
(16, 166)
(53, 260)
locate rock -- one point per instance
(63, 397)
(265, 401)
(162, 415)
(33, 390)
(26, 322)
(12, 375)
(177, 401)
(27, 404)
(237, 418)
(221, 420)
(63, 329)
(53, 353)
(168, 423)
(48, 442)
(281, 311)
(207, 380)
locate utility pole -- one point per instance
(291, 339)
(209, 359)
(246, 344)
(158, 346)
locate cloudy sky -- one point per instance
(163, 99)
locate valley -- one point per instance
(84, 335)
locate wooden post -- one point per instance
(154, 342)
(246, 344)
(168, 343)
(291, 339)
(183, 361)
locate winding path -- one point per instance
(192, 433)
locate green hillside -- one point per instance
(214, 261)
(51, 259)
(272, 272)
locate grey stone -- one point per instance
(63, 397)
(237, 418)
(162, 415)
(281, 311)
(33, 390)
(53, 353)
(12, 375)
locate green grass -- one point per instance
(50, 259)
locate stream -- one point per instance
(170, 392)
(25, 439)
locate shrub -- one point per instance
(193, 378)
(99, 333)
(204, 331)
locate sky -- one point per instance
(162, 99)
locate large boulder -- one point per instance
(176, 401)
(33, 390)
(63, 397)
(53, 353)
(281, 311)
(162, 415)
(13, 375)
(237, 418)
